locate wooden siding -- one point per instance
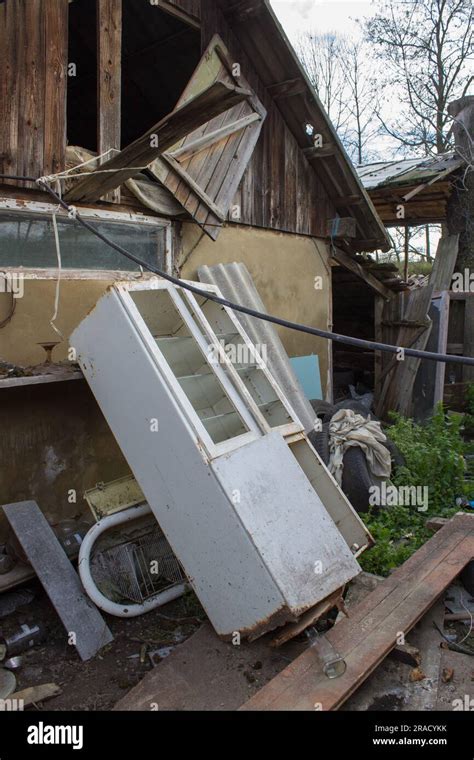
(191, 7)
(33, 60)
(205, 183)
(280, 189)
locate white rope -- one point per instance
(58, 281)
(72, 173)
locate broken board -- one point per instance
(58, 577)
(371, 631)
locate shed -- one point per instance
(213, 148)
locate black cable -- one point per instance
(345, 339)
(20, 179)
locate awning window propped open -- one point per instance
(203, 170)
(200, 151)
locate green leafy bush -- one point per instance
(434, 458)
(398, 532)
(434, 455)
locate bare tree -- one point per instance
(320, 55)
(425, 46)
(340, 71)
(362, 100)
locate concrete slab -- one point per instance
(58, 577)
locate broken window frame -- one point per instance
(232, 384)
(90, 214)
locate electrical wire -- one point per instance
(73, 213)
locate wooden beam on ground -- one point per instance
(353, 266)
(109, 79)
(58, 577)
(216, 99)
(371, 631)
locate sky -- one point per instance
(297, 16)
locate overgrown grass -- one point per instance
(434, 457)
(417, 267)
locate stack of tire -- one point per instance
(357, 479)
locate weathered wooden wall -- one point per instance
(280, 190)
(33, 62)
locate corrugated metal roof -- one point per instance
(407, 171)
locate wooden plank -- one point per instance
(195, 188)
(183, 680)
(468, 372)
(192, 147)
(341, 228)
(353, 266)
(61, 582)
(348, 200)
(30, 77)
(207, 182)
(187, 12)
(11, 49)
(316, 153)
(287, 89)
(109, 79)
(216, 99)
(371, 631)
(308, 619)
(32, 695)
(56, 33)
(396, 393)
(54, 377)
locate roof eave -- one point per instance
(335, 170)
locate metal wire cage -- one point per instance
(135, 570)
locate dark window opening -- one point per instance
(353, 314)
(82, 88)
(159, 55)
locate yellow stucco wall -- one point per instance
(56, 438)
(30, 323)
(284, 268)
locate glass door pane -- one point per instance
(189, 364)
(248, 365)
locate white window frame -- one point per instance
(235, 390)
(90, 214)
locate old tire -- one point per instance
(320, 441)
(322, 409)
(357, 480)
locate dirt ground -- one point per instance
(101, 682)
